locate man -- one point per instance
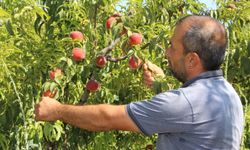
(205, 113)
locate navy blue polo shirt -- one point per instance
(205, 113)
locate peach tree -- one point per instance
(90, 52)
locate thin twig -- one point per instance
(109, 58)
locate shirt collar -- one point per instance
(204, 75)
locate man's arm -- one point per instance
(101, 117)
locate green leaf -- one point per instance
(47, 130)
(3, 13)
(248, 49)
(157, 87)
(245, 13)
(3, 142)
(236, 55)
(40, 11)
(9, 27)
(245, 64)
(46, 86)
(52, 87)
(37, 24)
(59, 131)
(67, 60)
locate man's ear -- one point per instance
(192, 60)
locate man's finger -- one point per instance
(147, 74)
(145, 67)
(148, 83)
(150, 66)
(156, 70)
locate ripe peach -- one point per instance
(134, 63)
(135, 39)
(54, 73)
(92, 85)
(76, 35)
(78, 54)
(100, 61)
(50, 94)
(110, 21)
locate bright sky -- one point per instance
(211, 4)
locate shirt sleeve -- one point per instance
(164, 113)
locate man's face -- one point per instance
(175, 55)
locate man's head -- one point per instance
(197, 45)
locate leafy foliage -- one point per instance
(35, 39)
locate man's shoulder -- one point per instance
(170, 95)
(208, 84)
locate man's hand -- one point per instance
(47, 109)
(150, 71)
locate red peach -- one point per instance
(101, 61)
(134, 63)
(110, 21)
(50, 94)
(92, 85)
(76, 35)
(54, 73)
(135, 39)
(78, 54)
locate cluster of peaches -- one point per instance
(78, 55)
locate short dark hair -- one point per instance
(209, 42)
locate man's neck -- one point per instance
(194, 73)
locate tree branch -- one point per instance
(109, 58)
(104, 51)
(95, 18)
(108, 49)
(84, 96)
